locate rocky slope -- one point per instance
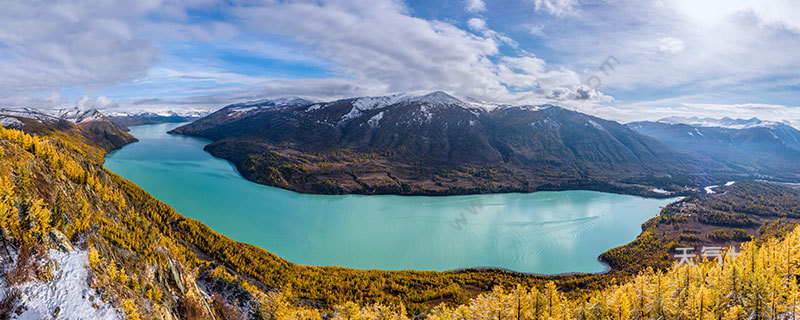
(436, 144)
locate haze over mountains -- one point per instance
(750, 146)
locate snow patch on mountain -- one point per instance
(436, 98)
(251, 107)
(10, 122)
(371, 103)
(29, 113)
(595, 125)
(69, 292)
(177, 112)
(290, 101)
(375, 121)
(425, 114)
(76, 115)
(238, 112)
(725, 122)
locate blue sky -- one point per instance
(675, 57)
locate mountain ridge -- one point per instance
(767, 149)
(90, 124)
(435, 144)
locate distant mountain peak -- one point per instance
(725, 122)
(77, 115)
(26, 112)
(436, 97)
(287, 101)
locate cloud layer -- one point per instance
(677, 55)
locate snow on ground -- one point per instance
(659, 190)
(29, 113)
(69, 291)
(239, 111)
(10, 122)
(729, 183)
(436, 98)
(710, 189)
(595, 125)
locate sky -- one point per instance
(624, 60)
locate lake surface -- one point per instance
(543, 232)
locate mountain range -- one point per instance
(129, 119)
(750, 146)
(92, 125)
(437, 144)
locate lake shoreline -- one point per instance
(599, 186)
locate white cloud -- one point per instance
(51, 100)
(770, 13)
(721, 51)
(477, 24)
(47, 46)
(536, 30)
(475, 5)
(377, 44)
(670, 45)
(679, 48)
(86, 102)
(52, 46)
(556, 7)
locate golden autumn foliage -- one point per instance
(760, 283)
(39, 219)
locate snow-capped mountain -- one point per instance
(176, 112)
(743, 129)
(752, 145)
(9, 117)
(96, 126)
(77, 115)
(436, 98)
(725, 122)
(142, 117)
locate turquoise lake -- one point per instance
(543, 232)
